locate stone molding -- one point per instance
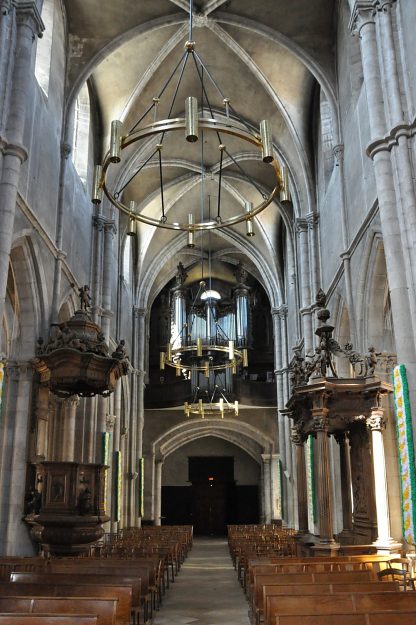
(13, 149)
(338, 151)
(376, 422)
(301, 225)
(27, 14)
(66, 149)
(391, 139)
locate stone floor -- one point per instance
(206, 591)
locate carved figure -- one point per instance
(84, 501)
(370, 361)
(297, 370)
(84, 296)
(101, 347)
(180, 275)
(321, 298)
(33, 501)
(316, 368)
(120, 352)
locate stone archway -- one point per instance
(244, 436)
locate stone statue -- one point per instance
(84, 501)
(321, 299)
(180, 275)
(84, 296)
(297, 370)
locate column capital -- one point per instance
(139, 312)
(98, 222)
(312, 220)
(376, 422)
(110, 227)
(338, 151)
(320, 421)
(363, 13)
(16, 369)
(28, 14)
(301, 225)
(280, 311)
(5, 7)
(386, 5)
(340, 436)
(297, 436)
(265, 458)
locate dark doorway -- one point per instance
(212, 480)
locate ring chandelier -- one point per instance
(194, 125)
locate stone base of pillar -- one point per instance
(326, 549)
(385, 547)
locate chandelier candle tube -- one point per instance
(115, 141)
(231, 350)
(249, 223)
(169, 351)
(191, 239)
(266, 140)
(199, 347)
(234, 367)
(284, 191)
(245, 357)
(206, 370)
(186, 409)
(97, 192)
(162, 359)
(236, 408)
(191, 119)
(131, 230)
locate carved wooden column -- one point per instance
(320, 418)
(345, 470)
(298, 439)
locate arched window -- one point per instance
(81, 133)
(44, 48)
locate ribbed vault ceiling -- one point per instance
(267, 56)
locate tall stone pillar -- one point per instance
(326, 532)
(98, 243)
(28, 25)
(158, 490)
(312, 219)
(395, 230)
(14, 536)
(275, 487)
(376, 424)
(266, 488)
(345, 473)
(305, 281)
(42, 421)
(299, 441)
(6, 61)
(116, 443)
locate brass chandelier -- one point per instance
(200, 121)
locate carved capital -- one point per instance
(27, 14)
(312, 220)
(110, 228)
(340, 436)
(265, 458)
(338, 151)
(301, 226)
(297, 436)
(363, 13)
(5, 7)
(13, 149)
(98, 222)
(110, 421)
(321, 422)
(16, 370)
(140, 313)
(376, 422)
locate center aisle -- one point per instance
(206, 591)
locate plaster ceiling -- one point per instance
(267, 56)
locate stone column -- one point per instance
(142, 338)
(14, 536)
(266, 488)
(395, 230)
(376, 424)
(158, 490)
(298, 440)
(320, 417)
(275, 487)
(116, 443)
(98, 223)
(312, 219)
(6, 60)
(345, 256)
(305, 281)
(345, 472)
(29, 24)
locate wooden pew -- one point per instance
(374, 618)
(47, 619)
(339, 603)
(267, 588)
(88, 579)
(104, 609)
(122, 593)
